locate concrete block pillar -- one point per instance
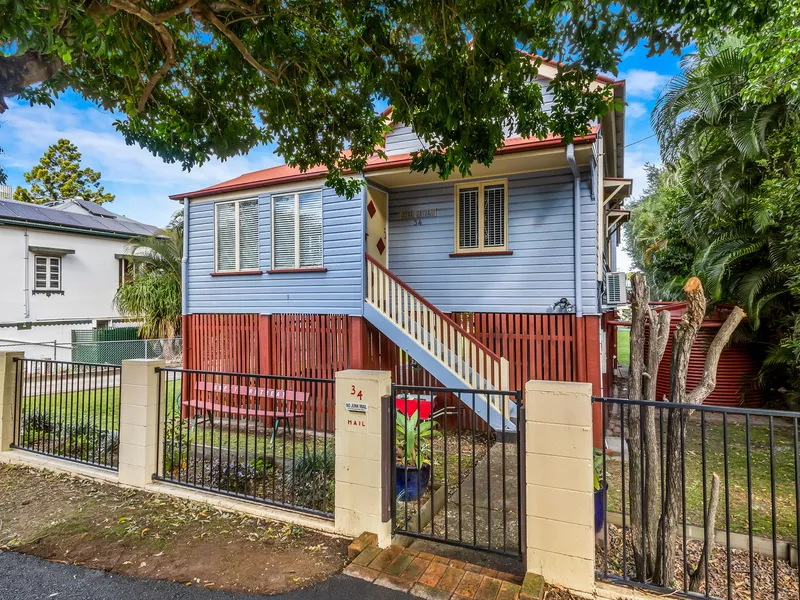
(138, 429)
(359, 450)
(8, 386)
(559, 484)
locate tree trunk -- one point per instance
(659, 336)
(640, 305)
(685, 335)
(698, 575)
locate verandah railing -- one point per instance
(453, 346)
(260, 437)
(753, 453)
(68, 410)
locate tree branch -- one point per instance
(166, 39)
(22, 71)
(709, 380)
(239, 45)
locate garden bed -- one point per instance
(150, 535)
(717, 576)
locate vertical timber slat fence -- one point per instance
(751, 456)
(68, 410)
(258, 437)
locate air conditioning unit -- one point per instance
(616, 288)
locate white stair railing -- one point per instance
(440, 336)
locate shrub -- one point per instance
(41, 421)
(311, 478)
(237, 476)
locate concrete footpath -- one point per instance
(26, 577)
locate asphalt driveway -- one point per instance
(30, 578)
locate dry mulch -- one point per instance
(106, 527)
(717, 571)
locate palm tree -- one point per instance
(718, 147)
(153, 294)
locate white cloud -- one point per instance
(636, 110)
(141, 182)
(635, 161)
(640, 83)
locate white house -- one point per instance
(61, 267)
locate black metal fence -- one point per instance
(69, 410)
(260, 437)
(702, 500)
(454, 480)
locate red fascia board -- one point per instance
(402, 161)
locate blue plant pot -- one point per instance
(411, 481)
(600, 507)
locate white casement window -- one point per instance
(47, 273)
(481, 217)
(297, 230)
(236, 236)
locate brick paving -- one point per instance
(432, 577)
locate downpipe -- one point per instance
(576, 227)
(27, 262)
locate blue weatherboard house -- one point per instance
(482, 282)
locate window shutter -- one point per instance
(494, 217)
(468, 218)
(311, 229)
(283, 232)
(226, 237)
(40, 266)
(248, 235)
(55, 273)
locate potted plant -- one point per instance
(413, 445)
(600, 491)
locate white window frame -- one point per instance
(482, 247)
(238, 250)
(297, 244)
(48, 273)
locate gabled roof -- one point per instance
(91, 207)
(111, 224)
(287, 174)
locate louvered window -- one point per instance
(481, 217)
(47, 273)
(237, 236)
(297, 230)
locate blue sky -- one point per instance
(142, 182)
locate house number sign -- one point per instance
(417, 215)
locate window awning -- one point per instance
(615, 190)
(46, 250)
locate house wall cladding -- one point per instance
(402, 139)
(540, 235)
(342, 256)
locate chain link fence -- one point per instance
(100, 352)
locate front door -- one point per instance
(377, 223)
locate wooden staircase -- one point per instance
(445, 349)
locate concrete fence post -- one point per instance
(138, 427)
(359, 445)
(8, 387)
(559, 484)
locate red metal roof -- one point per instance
(287, 174)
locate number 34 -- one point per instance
(354, 392)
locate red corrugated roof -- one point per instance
(287, 174)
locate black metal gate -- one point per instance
(455, 480)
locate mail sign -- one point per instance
(359, 407)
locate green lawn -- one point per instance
(715, 451)
(624, 345)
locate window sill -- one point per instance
(48, 292)
(487, 253)
(227, 273)
(305, 270)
